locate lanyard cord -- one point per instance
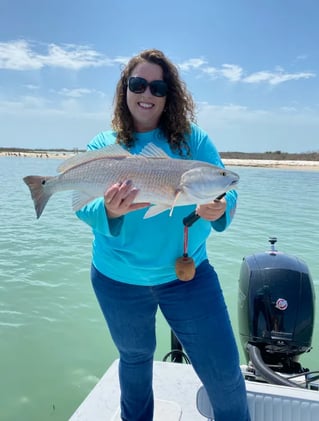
(189, 220)
(185, 241)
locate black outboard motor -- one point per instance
(275, 312)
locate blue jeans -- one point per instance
(197, 314)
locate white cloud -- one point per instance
(73, 121)
(69, 123)
(23, 55)
(275, 78)
(17, 55)
(71, 103)
(228, 115)
(72, 57)
(232, 72)
(75, 93)
(235, 73)
(31, 87)
(240, 128)
(302, 57)
(192, 63)
(212, 72)
(22, 104)
(289, 109)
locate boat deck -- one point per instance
(173, 401)
(175, 389)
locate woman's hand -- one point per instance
(119, 198)
(212, 211)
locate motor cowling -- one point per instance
(276, 307)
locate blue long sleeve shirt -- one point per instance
(141, 251)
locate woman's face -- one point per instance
(146, 109)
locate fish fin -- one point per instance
(174, 203)
(111, 151)
(155, 210)
(40, 195)
(80, 199)
(153, 151)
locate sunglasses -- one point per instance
(138, 85)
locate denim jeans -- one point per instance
(197, 314)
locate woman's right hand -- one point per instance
(119, 198)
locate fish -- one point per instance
(163, 181)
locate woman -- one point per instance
(133, 266)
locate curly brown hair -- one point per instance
(179, 109)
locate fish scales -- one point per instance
(151, 176)
(161, 180)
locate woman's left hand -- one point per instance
(212, 211)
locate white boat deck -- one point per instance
(172, 384)
(175, 388)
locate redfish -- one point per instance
(161, 180)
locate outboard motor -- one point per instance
(276, 312)
(276, 309)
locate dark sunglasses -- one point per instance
(138, 85)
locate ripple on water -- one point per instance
(47, 303)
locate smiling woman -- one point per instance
(146, 97)
(133, 267)
(168, 102)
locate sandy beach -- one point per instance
(38, 154)
(267, 163)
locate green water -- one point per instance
(54, 345)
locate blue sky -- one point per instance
(252, 67)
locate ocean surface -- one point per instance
(54, 345)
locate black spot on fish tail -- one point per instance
(39, 192)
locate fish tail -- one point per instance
(39, 191)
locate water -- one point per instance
(53, 342)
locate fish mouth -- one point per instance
(233, 183)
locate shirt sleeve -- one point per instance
(94, 213)
(205, 150)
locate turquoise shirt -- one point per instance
(141, 251)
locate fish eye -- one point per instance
(223, 173)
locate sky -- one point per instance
(252, 67)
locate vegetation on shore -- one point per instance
(276, 155)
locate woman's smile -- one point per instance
(146, 109)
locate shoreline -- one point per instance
(273, 163)
(260, 163)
